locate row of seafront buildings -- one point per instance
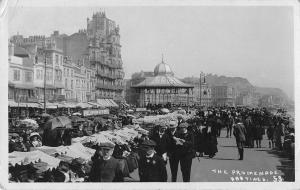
(87, 67)
(83, 67)
(161, 87)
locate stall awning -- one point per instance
(34, 105)
(83, 105)
(59, 105)
(69, 105)
(107, 103)
(24, 86)
(113, 103)
(102, 103)
(12, 103)
(50, 105)
(95, 104)
(24, 104)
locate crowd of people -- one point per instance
(178, 140)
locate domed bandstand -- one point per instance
(163, 89)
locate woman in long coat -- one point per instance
(210, 133)
(258, 134)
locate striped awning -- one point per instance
(107, 103)
(12, 103)
(102, 102)
(113, 103)
(33, 105)
(95, 104)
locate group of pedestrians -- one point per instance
(177, 142)
(199, 136)
(24, 142)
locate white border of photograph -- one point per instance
(101, 3)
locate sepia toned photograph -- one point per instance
(137, 93)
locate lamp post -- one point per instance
(200, 89)
(45, 67)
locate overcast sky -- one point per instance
(251, 42)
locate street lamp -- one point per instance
(200, 93)
(200, 90)
(45, 62)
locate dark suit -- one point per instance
(183, 154)
(106, 170)
(152, 169)
(161, 143)
(240, 136)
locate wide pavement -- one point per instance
(259, 164)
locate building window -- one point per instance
(66, 83)
(28, 76)
(64, 72)
(56, 59)
(58, 76)
(42, 74)
(49, 75)
(37, 74)
(71, 73)
(71, 84)
(16, 75)
(68, 74)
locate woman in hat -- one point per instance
(35, 140)
(210, 136)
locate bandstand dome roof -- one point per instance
(163, 69)
(163, 78)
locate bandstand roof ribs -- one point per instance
(163, 78)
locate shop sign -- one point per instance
(91, 112)
(140, 109)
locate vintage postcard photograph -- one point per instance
(184, 94)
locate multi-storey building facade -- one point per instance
(223, 95)
(20, 81)
(69, 80)
(202, 94)
(50, 58)
(247, 99)
(84, 84)
(105, 55)
(41, 54)
(84, 66)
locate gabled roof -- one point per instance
(162, 81)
